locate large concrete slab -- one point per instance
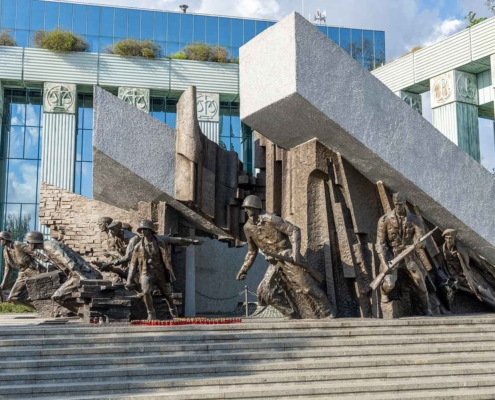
(296, 84)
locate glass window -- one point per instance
(83, 180)
(368, 50)
(224, 31)
(173, 24)
(93, 43)
(31, 142)
(22, 38)
(8, 14)
(357, 45)
(105, 44)
(65, 20)
(172, 48)
(248, 30)
(16, 142)
(160, 29)
(235, 52)
(134, 24)
(345, 39)
(158, 109)
(270, 23)
(237, 32)
(163, 48)
(106, 28)
(379, 48)
(212, 30)
(322, 29)
(120, 23)
(22, 18)
(171, 112)
(261, 26)
(186, 28)
(333, 33)
(37, 15)
(79, 19)
(199, 28)
(93, 18)
(51, 15)
(147, 25)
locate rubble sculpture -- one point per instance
(397, 230)
(150, 259)
(17, 258)
(471, 273)
(289, 284)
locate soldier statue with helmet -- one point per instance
(398, 230)
(289, 284)
(150, 260)
(17, 257)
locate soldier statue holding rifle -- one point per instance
(289, 285)
(399, 234)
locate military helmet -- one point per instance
(252, 201)
(449, 232)
(115, 225)
(6, 236)
(126, 226)
(146, 224)
(399, 197)
(105, 220)
(34, 237)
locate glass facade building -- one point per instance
(102, 26)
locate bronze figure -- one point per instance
(287, 285)
(472, 274)
(396, 231)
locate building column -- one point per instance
(208, 105)
(136, 97)
(454, 103)
(59, 134)
(1, 104)
(190, 300)
(413, 99)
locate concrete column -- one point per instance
(208, 105)
(59, 134)
(413, 99)
(454, 103)
(190, 300)
(1, 103)
(137, 97)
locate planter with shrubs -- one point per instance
(60, 40)
(6, 39)
(135, 48)
(204, 52)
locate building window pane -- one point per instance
(160, 26)
(237, 33)
(322, 29)
(93, 43)
(16, 142)
(261, 26)
(172, 48)
(106, 28)
(106, 44)
(147, 25)
(22, 38)
(345, 39)
(186, 28)
(120, 23)
(235, 52)
(23, 181)
(22, 18)
(158, 109)
(65, 20)
(31, 142)
(8, 14)
(357, 45)
(37, 15)
(333, 33)
(79, 19)
(212, 30)
(224, 32)
(83, 180)
(199, 29)
(379, 49)
(134, 24)
(173, 23)
(93, 25)
(51, 15)
(248, 30)
(368, 50)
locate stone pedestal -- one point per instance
(454, 102)
(137, 97)
(413, 99)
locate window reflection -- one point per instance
(93, 20)
(357, 45)
(83, 179)
(173, 24)
(65, 19)
(186, 28)
(120, 23)
(333, 33)
(106, 28)
(224, 31)
(345, 39)
(51, 15)
(248, 30)
(199, 28)
(22, 17)
(368, 50)
(134, 24)
(8, 14)
(37, 15)
(160, 28)
(379, 49)
(212, 30)
(146, 25)
(79, 25)
(237, 32)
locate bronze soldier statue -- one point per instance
(16, 256)
(397, 230)
(472, 274)
(287, 286)
(150, 260)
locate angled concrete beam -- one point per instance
(296, 84)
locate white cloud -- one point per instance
(22, 181)
(443, 30)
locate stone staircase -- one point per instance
(417, 358)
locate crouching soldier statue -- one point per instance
(151, 261)
(16, 257)
(289, 285)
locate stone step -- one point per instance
(281, 385)
(324, 370)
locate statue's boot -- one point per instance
(152, 315)
(173, 311)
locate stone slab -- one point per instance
(326, 94)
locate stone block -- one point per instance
(44, 285)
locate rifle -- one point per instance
(304, 265)
(393, 263)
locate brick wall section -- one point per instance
(73, 219)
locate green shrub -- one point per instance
(60, 40)
(219, 54)
(15, 308)
(179, 56)
(6, 39)
(135, 48)
(197, 52)
(204, 52)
